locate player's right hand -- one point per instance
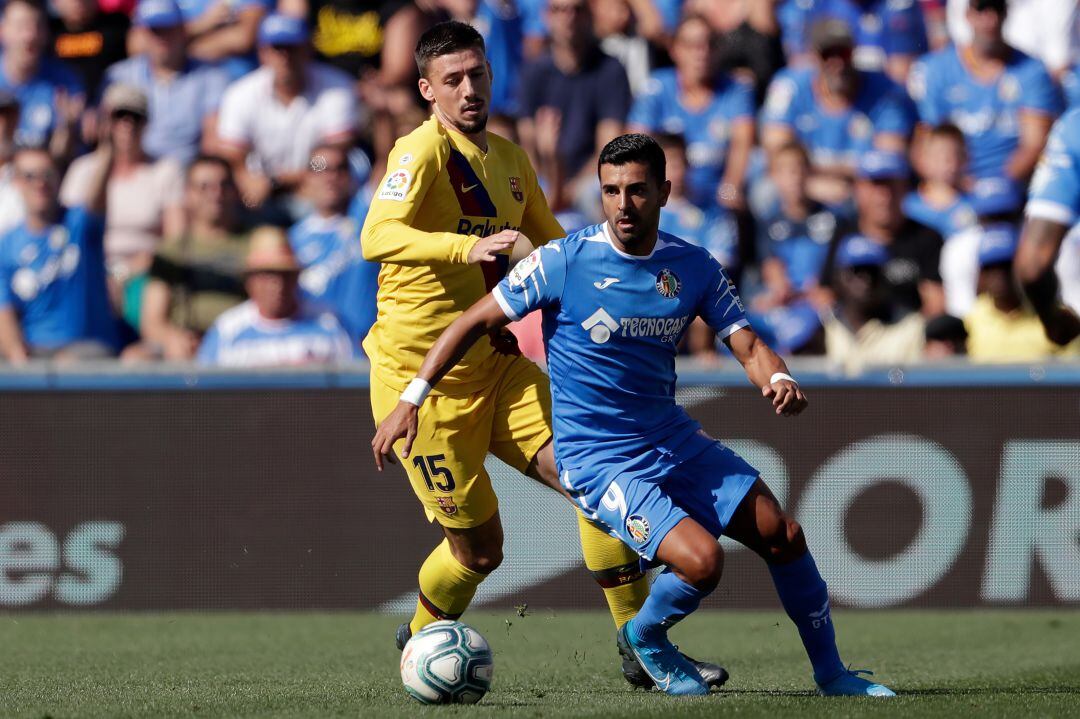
(400, 423)
(488, 247)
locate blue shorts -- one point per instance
(708, 487)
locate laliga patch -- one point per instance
(668, 284)
(638, 527)
(524, 269)
(396, 185)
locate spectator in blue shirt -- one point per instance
(327, 243)
(223, 31)
(889, 34)
(714, 112)
(53, 301)
(939, 201)
(1002, 100)
(184, 94)
(574, 100)
(274, 327)
(51, 98)
(835, 111)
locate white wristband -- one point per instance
(416, 392)
(775, 378)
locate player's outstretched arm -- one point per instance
(767, 371)
(453, 343)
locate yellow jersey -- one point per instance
(441, 194)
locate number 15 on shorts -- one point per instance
(429, 467)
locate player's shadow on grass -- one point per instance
(987, 691)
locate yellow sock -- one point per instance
(615, 567)
(446, 588)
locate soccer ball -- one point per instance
(447, 663)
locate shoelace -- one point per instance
(857, 672)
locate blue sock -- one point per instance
(806, 600)
(670, 600)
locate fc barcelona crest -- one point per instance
(515, 189)
(668, 284)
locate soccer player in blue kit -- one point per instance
(616, 300)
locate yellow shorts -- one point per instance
(511, 418)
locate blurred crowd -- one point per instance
(187, 180)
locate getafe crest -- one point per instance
(638, 527)
(668, 283)
(515, 189)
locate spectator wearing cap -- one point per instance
(835, 111)
(183, 94)
(867, 326)
(1001, 327)
(142, 195)
(51, 98)
(713, 111)
(326, 242)
(88, 40)
(273, 117)
(11, 203)
(889, 34)
(994, 202)
(1001, 99)
(574, 100)
(53, 299)
(274, 327)
(198, 274)
(224, 31)
(912, 250)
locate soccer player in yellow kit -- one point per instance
(454, 202)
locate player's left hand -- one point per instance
(786, 397)
(400, 423)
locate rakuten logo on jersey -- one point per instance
(600, 325)
(481, 229)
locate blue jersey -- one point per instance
(500, 24)
(660, 109)
(952, 219)
(37, 116)
(336, 275)
(241, 337)
(881, 106)
(802, 245)
(987, 113)
(55, 281)
(882, 28)
(612, 324)
(1070, 84)
(716, 229)
(1055, 187)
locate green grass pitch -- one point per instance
(960, 663)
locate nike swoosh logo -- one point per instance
(470, 187)
(607, 282)
(663, 684)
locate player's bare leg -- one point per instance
(761, 524)
(617, 569)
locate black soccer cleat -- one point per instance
(404, 634)
(714, 675)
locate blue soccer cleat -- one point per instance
(850, 684)
(670, 671)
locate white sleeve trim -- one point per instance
(503, 304)
(1050, 210)
(733, 328)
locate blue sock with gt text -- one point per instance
(670, 600)
(806, 600)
